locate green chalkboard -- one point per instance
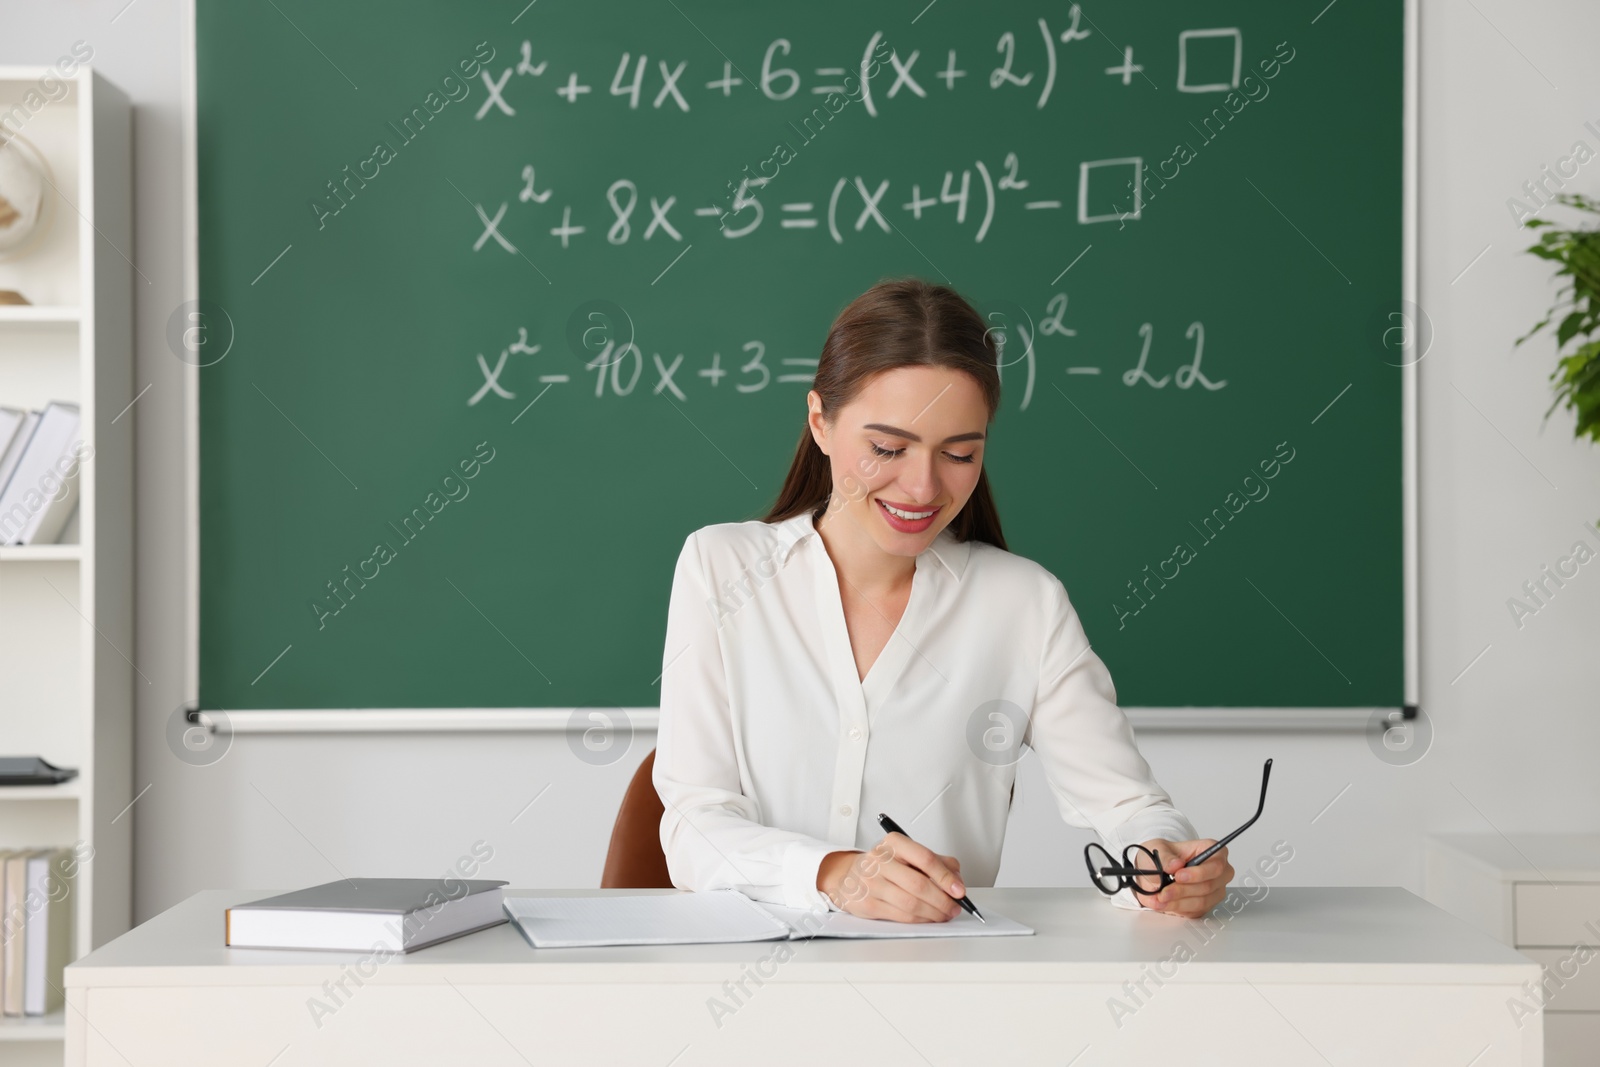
(588, 252)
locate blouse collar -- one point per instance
(952, 554)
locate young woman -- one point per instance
(871, 646)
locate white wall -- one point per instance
(1517, 737)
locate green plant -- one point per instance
(1577, 374)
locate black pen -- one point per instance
(892, 827)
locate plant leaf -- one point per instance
(1569, 326)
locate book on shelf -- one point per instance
(11, 420)
(37, 929)
(39, 476)
(367, 914)
(15, 444)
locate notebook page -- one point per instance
(803, 923)
(658, 919)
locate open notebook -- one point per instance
(720, 915)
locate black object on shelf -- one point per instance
(32, 770)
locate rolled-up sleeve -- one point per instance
(711, 831)
(1086, 746)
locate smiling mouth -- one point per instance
(905, 519)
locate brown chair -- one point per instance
(635, 859)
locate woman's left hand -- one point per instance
(1197, 889)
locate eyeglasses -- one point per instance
(1141, 870)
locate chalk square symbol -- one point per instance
(1183, 59)
(1084, 170)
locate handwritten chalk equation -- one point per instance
(619, 368)
(1025, 64)
(970, 197)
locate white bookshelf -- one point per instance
(41, 553)
(66, 610)
(65, 316)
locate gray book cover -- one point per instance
(397, 896)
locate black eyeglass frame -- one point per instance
(1130, 869)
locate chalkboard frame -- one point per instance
(559, 719)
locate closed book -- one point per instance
(42, 492)
(11, 420)
(12, 453)
(15, 875)
(368, 914)
(48, 946)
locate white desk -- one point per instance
(1307, 976)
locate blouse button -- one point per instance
(855, 734)
(845, 809)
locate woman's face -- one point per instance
(905, 453)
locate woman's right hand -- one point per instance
(897, 879)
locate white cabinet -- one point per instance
(66, 618)
(1539, 893)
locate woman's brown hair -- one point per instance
(901, 323)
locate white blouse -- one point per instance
(773, 753)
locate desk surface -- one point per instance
(1293, 934)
